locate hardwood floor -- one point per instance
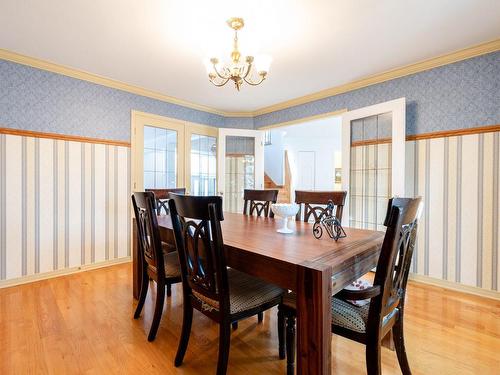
(82, 324)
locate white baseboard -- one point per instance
(87, 267)
(455, 286)
(61, 272)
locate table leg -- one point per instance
(314, 319)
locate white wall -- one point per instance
(273, 157)
(321, 136)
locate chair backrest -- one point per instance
(259, 202)
(148, 233)
(314, 200)
(162, 196)
(395, 258)
(198, 237)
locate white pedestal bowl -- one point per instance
(285, 210)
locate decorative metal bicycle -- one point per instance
(330, 223)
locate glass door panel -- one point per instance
(203, 165)
(241, 165)
(157, 152)
(201, 162)
(373, 162)
(370, 171)
(160, 158)
(240, 171)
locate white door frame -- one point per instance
(221, 155)
(398, 109)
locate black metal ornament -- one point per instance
(330, 223)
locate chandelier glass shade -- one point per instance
(240, 69)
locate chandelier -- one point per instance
(235, 70)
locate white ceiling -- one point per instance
(315, 44)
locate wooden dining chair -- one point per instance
(314, 203)
(384, 313)
(157, 264)
(162, 196)
(259, 202)
(161, 199)
(223, 294)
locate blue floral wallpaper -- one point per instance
(239, 122)
(461, 95)
(37, 100)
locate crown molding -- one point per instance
(463, 54)
(100, 80)
(449, 58)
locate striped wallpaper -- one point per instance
(63, 204)
(458, 178)
(458, 235)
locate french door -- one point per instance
(168, 153)
(201, 159)
(157, 152)
(373, 161)
(240, 165)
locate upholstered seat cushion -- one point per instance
(355, 318)
(346, 315)
(172, 265)
(245, 293)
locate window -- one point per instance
(203, 164)
(160, 158)
(267, 138)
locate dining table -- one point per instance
(315, 269)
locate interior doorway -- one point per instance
(304, 156)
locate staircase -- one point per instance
(283, 190)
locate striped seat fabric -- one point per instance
(245, 292)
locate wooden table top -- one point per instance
(256, 237)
